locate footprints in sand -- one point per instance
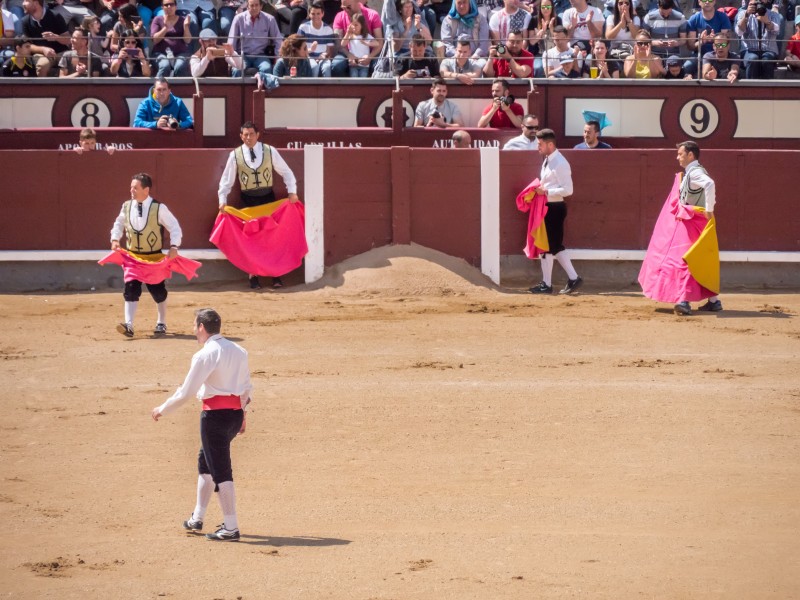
(62, 566)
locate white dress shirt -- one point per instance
(165, 218)
(556, 177)
(230, 174)
(220, 368)
(698, 178)
(521, 143)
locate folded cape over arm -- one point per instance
(266, 240)
(536, 205)
(682, 260)
(147, 271)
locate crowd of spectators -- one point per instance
(461, 40)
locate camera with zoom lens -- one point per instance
(507, 100)
(500, 48)
(172, 122)
(761, 9)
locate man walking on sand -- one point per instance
(220, 378)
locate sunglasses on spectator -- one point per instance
(722, 45)
(642, 43)
(168, 4)
(531, 127)
(706, 1)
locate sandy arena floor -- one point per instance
(415, 435)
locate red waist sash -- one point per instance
(220, 402)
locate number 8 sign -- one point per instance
(698, 118)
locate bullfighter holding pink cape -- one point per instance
(682, 260)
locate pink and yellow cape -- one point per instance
(536, 205)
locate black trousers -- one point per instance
(554, 224)
(251, 200)
(133, 291)
(217, 430)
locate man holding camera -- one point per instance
(509, 59)
(438, 111)
(162, 110)
(416, 64)
(758, 29)
(702, 26)
(212, 60)
(503, 112)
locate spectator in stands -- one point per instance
(719, 64)
(50, 33)
(322, 43)
(79, 62)
(793, 47)
(147, 10)
(643, 64)
(504, 112)
(412, 24)
(73, 11)
(293, 54)
(438, 111)
(87, 142)
(14, 9)
(417, 64)
(21, 64)
(108, 11)
(570, 68)
(461, 139)
(581, 49)
(341, 24)
(540, 34)
(758, 29)
(359, 46)
(509, 60)
(461, 66)
(98, 43)
(667, 28)
(129, 20)
(622, 27)
(255, 36)
(583, 21)
(11, 28)
(527, 139)
(591, 137)
(702, 27)
(171, 38)
(551, 61)
(487, 7)
(675, 70)
(289, 14)
(604, 67)
(162, 110)
(201, 14)
(212, 60)
(510, 18)
(130, 61)
(465, 22)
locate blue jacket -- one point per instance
(150, 111)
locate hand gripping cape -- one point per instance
(135, 266)
(267, 240)
(682, 260)
(536, 205)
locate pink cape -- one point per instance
(150, 272)
(536, 239)
(665, 276)
(268, 246)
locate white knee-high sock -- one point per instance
(130, 311)
(205, 487)
(563, 259)
(547, 268)
(227, 501)
(162, 312)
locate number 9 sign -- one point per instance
(698, 118)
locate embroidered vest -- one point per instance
(253, 181)
(148, 240)
(690, 195)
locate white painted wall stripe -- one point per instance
(313, 165)
(490, 213)
(576, 254)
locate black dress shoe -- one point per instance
(254, 284)
(277, 282)
(542, 288)
(572, 285)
